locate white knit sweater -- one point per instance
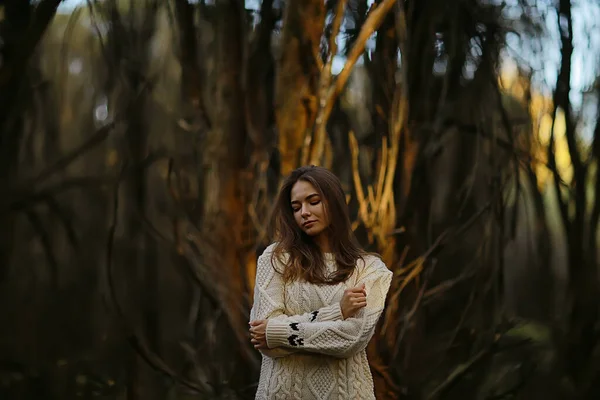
(313, 352)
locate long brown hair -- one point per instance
(298, 252)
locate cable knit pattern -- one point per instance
(314, 354)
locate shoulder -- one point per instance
(272, 249)
(372, 264)
(269, 250)
(269, 258)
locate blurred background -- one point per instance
(142, 143)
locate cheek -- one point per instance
(322, 213)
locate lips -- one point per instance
(307, 224)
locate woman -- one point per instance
(318, 296)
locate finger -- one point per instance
(356, 289)
(355, 296)
(361, 304)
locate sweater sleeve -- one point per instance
(338, 338)
(269, 302)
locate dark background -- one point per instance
(142, 143)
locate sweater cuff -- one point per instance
(331, 313)
(276, 333)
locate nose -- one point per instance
(305, 212)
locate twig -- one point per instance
(325, 83)
(28, 198)
(98, 137)
(459, 372)
(374, 20)
(509, 132)
(406, 320)
(512, 391)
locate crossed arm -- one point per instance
(323, 331)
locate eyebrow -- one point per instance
(310, 196)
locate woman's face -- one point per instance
(308, 209)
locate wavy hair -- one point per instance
(297, 251)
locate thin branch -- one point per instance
(408, 317)
(29, 197)
(509, 132)
(374, 20)
(503, 144)
(325, 83)
(460, 371)
(98, 137)
(511, 393)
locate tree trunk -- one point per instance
(298, 72)
(225, 159)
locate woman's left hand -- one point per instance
(258, 331)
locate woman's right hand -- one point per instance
(354, 299)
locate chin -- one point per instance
(313, 232)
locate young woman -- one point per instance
(318, 296)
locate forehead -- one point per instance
(301, 190)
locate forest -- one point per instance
(143, 142)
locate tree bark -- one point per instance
(298, 72)
(225, 159)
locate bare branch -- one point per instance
(325, 83)
(98, 137)
(374, 20)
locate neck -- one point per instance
(323, 242)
